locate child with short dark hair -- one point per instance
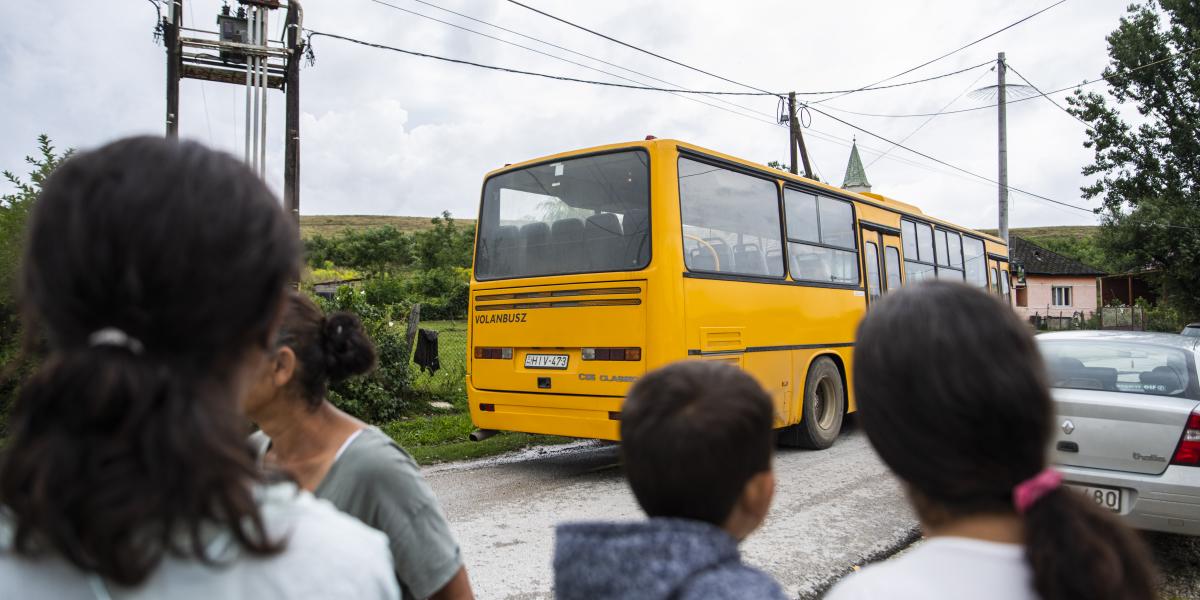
(697, 445)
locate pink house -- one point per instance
(1052, 285)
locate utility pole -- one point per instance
(291, 143)
(171, 25)
(796, 139)
(240, 52)
(1002, 113)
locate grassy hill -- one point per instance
(326, 225)
(1040, 235)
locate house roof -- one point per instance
(1037, 260)
(856, 175)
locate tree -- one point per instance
(15, 208)
(445, 245)
(1147, 166)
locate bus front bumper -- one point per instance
(595, 417)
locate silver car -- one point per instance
(1127, 434)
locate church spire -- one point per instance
(856, 175)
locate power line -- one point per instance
(315, 33)
(1108, 78)
(1048, 98)
(559, 58)
(942, 162)
(950, 53)
(633, 47)
(931, 117)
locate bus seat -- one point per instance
(536, 238)
(505, 251)
(566, 240)
(724, 254)
(700, 259)
(747, 258)
(604, 241)
(635, 227)
(775, 261)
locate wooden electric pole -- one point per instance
(291, 144)
(171, 25)
(796, 138)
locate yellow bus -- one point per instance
(595, 266)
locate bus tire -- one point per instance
(823, 409)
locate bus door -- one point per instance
(1001, 282)
(881, 263)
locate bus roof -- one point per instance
(868, 198)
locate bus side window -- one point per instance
(891, 259)
(871, 258)
(731, 221)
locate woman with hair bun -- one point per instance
(154, 274)
(952, 394)
(357, 467)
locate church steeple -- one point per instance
(856, 175)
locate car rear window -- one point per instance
(1119, 367)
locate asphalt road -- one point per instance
(834, 509)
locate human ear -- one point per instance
(285, 366)
(760, 490)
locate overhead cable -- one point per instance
(950, 53)
(633, 47)
(1108, 78)
(1048, 98)
(559, 58)
(942, 162)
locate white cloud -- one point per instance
(384, 133)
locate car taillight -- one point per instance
(1188, 452)
(611, 353)
(498, 353)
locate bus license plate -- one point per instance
(1109, 498)
(545, 361)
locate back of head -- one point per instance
(952, 393)
(692, 435)
(155, 270)
(328, 349)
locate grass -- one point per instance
(449, 382)
(441, 438)
(311, 225)
(1035, 234)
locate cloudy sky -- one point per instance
(384, 133)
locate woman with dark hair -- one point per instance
(952, 395)
(154, 273)
(343, 460)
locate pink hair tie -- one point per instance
(1028, 492)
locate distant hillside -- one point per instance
(1038, 235)
(311, 225)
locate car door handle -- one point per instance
(1067, 447)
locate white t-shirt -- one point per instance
(327, 555)
(947, 568)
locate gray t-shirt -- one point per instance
(375, 480)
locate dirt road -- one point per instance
(834, 509)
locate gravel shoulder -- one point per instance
(834, 509)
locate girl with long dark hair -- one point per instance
(343, 460)
(154, 274)
(952, 394)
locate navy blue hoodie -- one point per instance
(657, 559)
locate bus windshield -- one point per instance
(580, 215)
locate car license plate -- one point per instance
(1109, 498)
(545, 361)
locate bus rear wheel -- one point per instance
(823, 409)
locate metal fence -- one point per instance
(448, 383)
(1129, 318)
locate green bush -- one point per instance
(386, 393)
(1163, 316)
